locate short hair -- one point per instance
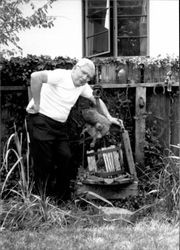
(86, 61)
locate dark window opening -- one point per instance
(115, 27)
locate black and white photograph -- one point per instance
(89, 125)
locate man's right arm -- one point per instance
(37, 79)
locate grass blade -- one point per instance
(9, 173)
(97, 196)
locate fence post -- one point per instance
(0, 102)
(175, 125)
(140, 124)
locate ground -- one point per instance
(145, 234)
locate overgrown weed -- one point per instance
(20, 208)
(159, 178)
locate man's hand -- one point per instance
(115, 121)
(34, 109)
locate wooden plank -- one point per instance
(29, 93)
(104, 85)
(140, 124)
(108, 72)
(113, 85)
(116, 160)
(91, 161)
(13, 88)
(109, 192)
(128, 152)
(159, 119)
(175, 124)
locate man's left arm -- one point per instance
(101, 107)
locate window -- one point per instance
(97, 27)
(116, 27)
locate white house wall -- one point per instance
(164, 27)
(65, 38)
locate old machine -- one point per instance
(107, 170)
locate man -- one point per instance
(54, 93)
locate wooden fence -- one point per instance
(155, 105)
(157, 102)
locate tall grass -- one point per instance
(15, 149)
(169, 183)
(23, 209)
(161, 182)
(19, 206)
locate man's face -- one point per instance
(82, 75)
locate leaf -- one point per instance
(152, 192)
(13, 20)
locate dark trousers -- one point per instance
(51, 155)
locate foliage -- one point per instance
(29, 211)
(168, 185)
(34, 213)
(17, 70)
(12, 19)
(159, 177)
(12, 111)
(25, 209)
(16, 155)
(121, 105)
(137, 69)
(137, 61)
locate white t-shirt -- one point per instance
(59, 94)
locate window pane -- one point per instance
(98, 16)
(132, 46)
(97, 24)
(132, 7)
(97, 4)
(134, 26)
(97, 44)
